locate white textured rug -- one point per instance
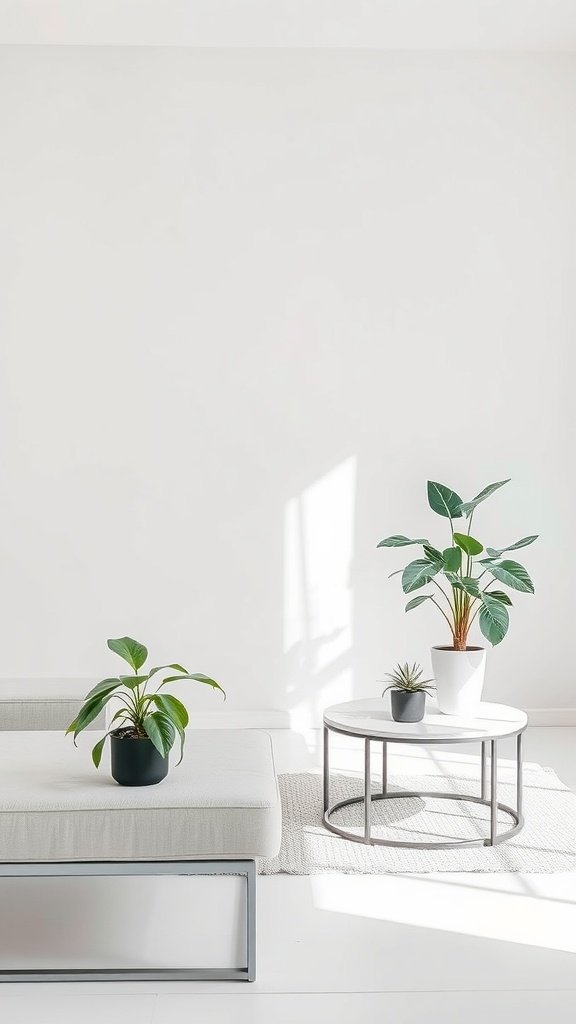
(546, 844)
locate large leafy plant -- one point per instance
(464, 582)
(143, 713)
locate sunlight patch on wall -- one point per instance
(318, 598)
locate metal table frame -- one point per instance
(368, 796)
(61, 869)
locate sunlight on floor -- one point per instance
(510, 908)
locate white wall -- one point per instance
(250, 301)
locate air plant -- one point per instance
(407, 678)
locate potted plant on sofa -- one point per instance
(148, 721)
(463, 590)
(408, 697)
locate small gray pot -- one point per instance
(408, 707)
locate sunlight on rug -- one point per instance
(546, 844)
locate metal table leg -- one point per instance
(519, 779)
(367, 792)
(488, 800)
(483, 771)
(326, 770)
(493, 792)
(251, 921)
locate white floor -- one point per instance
(398, 948)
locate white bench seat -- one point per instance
(214, 814)
(222, 801)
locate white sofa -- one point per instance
(38, 704)
(215, 813)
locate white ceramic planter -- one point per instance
(459, 678)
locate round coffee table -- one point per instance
(371, 720)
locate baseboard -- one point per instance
(551, 716)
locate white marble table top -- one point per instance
(372, 717)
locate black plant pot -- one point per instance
(136, 762)
(408, 707)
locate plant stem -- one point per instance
(444, 594)
(130, 704)
(475, 614)
(441, 610)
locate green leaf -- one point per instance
(407, 677)
(124, 713)
(172, 707)
(432, 553)
(418, 573)
(512, 574)
(399, 541)
(104, 687)
(496, 552)
(469, 545)
(161, 731)
(499, 595)
(199, 677)
(493, 619)
(444, 501)
(416, 601)
(88, 712)
(182, 735)
(175, 711)
(97, 750)
(452, 558)
(132, 652)
(467, 507)
(132, 681)
(466, 583)
(160, 668)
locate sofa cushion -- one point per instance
(38, 704)
(221, 801)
